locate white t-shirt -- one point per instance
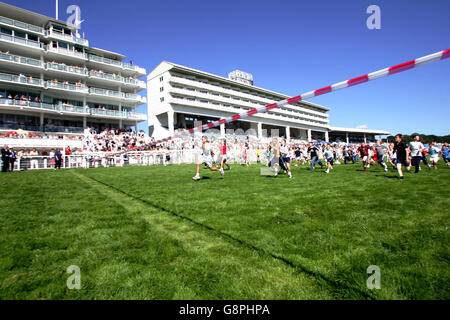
(415, 147)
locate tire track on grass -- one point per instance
(319, 277)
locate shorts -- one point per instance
(330, 161)
(208, 161)
(434, 159)
(365, 158)
(286, 159)
(403, 162)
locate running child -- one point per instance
(206, 159)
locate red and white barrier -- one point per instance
(441, 55)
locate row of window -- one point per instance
(272, 98)
(245, 108)
(239, 99)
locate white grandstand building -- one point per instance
(181, 97)
(51, 80)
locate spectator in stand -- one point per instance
(34, 161)
(12, 159)
(58, 159)
(5, 158)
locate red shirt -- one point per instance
(224, 150)
(364, 150)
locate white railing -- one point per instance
(71, 108)
(68, 37)
(22, 25)
(18, 143)
(21, 60)
(137, 158)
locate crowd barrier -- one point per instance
(137, 158)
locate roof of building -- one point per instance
(236, 83)
(360, 130)
(107, 54)
(27, 16)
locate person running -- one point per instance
(223, 155)
(329, 157)
(245, 155)
(363, 151)
(314, 154)
(285, 160)
(298, 156)
(380, 152)
(402, 154)
(445, 154)
(268, 156)
(416, 148)
(206, 159)
(274, 148)
(434, 154)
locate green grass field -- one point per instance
(154, 233)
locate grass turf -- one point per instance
(154, 233)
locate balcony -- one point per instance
(118, 79)
(67, 52)
(65, 108)
(106, 93)
(116, 94)
(21, 79)
(135, 97)
(65, 68)
(67, 86)
(22, 41)
(117, 64)
(66, 37)
(232, 109)
(173, 79)
(106, 76)
(21, 25)
(135, 82)
(21, 60)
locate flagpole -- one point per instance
(57, 10)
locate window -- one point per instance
(161, 89)
(19, 34)
(161, 99)
(6, 31)
(161, 79)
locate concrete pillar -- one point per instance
(348, 141)
(260, 133)
(365, 140)
(84, 122)
(309, 135)
(327, 138)
(170, 121)
(288, 133)
(41, 121)
(222, 130)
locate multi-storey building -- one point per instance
(179, 96)
(52, 81)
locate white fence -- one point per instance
(143, 158)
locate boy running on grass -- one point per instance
(285, 160)
(434, 154)
(329, 157)
(380, 151)
(206, 159)
(364, 155)
(223, 155)
(402, 155)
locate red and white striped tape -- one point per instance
(441, 55)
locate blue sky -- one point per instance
(290, 47)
